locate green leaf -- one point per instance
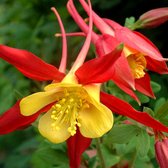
(143, 98)
(159, 103)
(148, 110)
(155, 87)
(46, 157)
(143, 143)
(17, 161)
(110, 159)
(162, 112)
(121, 134)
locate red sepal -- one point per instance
(123, 108)
(100, 69)
(128, 91)
(29, 64)
(12, 119)
(143, 86)
(77, 144)
(105, 44)
(156, 66)
(122, 73)
(135, 40)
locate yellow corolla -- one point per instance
(75, 107)
(136, 61)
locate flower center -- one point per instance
(137, 63)
(66, 110)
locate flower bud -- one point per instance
(161, 151)
(153, 18)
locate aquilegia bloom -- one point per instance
(67, 102)
(139, 54)
(72, 106)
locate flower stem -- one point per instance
(131, 165)
(99, 152)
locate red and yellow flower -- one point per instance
(139, 54)
(72, 107)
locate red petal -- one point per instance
(77, 144)
(29, 64)
(12, 119)
(143, 86)
(153, 64)
(98, 70)
(106, 44)
(123, 108)
(140, 44)
(122, 73)
(128, 91)
(156, 66)
(135, 40)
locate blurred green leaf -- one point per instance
(143, 98)
(17, 161)
(161, 112)
(121, 134)
(158, 103)
(110, 158)
(46, 157)
(143, 143)
(148, 110)
(155, 86)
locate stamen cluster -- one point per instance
(66, 110)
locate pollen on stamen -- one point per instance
(53, 125)
(54, 117)
(72, 131)
(67, 111)
(86, 105)
(57, 128)
(58, 105)
(137, 64)
(79, 124)
(63, 100)
(54, 111)
(71, 100)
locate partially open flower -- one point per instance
(153, 18)
(139, 54)
(161, 151)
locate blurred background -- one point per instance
(31, 25)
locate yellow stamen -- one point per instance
(137, 63)
(67, 109)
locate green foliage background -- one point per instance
(31, 25)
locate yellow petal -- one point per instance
(96, 120)
(33, 103)
(58, 135)
(128, 51)
(93, 90)
(70, 78)
(61, 86)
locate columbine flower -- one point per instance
(72, 106)
(71, 103)
(153, 18)
(139, 54)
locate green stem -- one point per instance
(131, 165)
(99, 152)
